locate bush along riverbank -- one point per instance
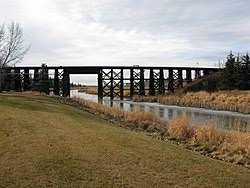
(230, 146)
(236, 101)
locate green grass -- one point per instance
(47, 144)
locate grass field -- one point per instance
(47, 144)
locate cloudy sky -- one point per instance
(129, 32)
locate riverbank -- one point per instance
(44, 143)
(231, 146)
(236, 101)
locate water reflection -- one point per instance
(227, 120)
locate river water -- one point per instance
(200, 116)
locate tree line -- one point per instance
(236, 74)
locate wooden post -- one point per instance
(18, 84)
(66, 84)
(197, 74)
(111, 84)
(122, 85)
(142, 83)
(131, 83)
(180, 78)
(56, 83)
(151, 82)
(100, 84)
(36, 79)
(171, 80)
(188, 75)
(161, 82)
(26, 84)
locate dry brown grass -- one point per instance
(238, 101)
(233, 146)
(143, 120)
(88, 89)
(94, 90)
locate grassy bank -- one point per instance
(237, 101)
(231, 146)
(44, 143)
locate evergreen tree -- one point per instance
(228, 75)
(245, 72)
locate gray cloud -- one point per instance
(128, 32)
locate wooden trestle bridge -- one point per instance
(112, 80)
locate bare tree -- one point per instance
(12, 47)
(1, 39)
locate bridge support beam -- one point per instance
(26, 81)
(36, 79)
(66, 84)
(161, 82)
(197, 74)
(180, 78)
(132, 83)
(189, 75)
(171, 80)
(56, 83)
(151, 82)
(122, 84)
(142, 83)
(18, 81)
(100, 84)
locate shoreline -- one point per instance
(230, 146)
(228, 101)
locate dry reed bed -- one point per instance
(89, 90)
(237, 101)
(135, 120)
(94, 90)
(230, 146)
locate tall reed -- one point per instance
(231, 146)
(238, 101)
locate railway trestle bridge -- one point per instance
(113, 81)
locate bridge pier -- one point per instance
(161, 83)
(17, 80)
(131, 82)
(197, 74)
(151, 82)
(100, 84)
(188, 75)
(122, 84)
(66, 84)
(26, 80)
(180, 78)
(171, 80)
(142, 83)
(56, 83)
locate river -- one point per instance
(199, 116)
